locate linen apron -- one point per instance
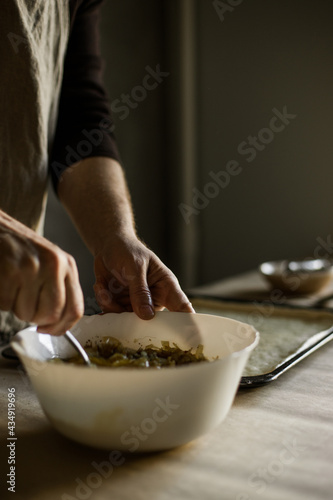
(34, 36)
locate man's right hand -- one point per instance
(39, 282)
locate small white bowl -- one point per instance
(298, 277)
(139, 409)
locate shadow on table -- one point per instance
(50, 466)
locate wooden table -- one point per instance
(276, 443)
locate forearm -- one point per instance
(95, 194)
(129, 276)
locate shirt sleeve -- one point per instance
(84, 126)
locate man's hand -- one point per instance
(39, 282)
(130, 277)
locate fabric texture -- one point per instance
(53, 105)
(32, 51)
(34, 40)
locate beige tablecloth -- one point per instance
(276, 443)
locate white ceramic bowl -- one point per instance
(139, 409)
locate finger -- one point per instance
(111, 291)
(10, 283)
(72, 311)
(140, 297)
(27, 297)
(175, 299)
(8, 296)
(54, 266)
(100, 271)
(102, 294)
(51, 305)
(106, 301)
(26, 302)
(180, 303)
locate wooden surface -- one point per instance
(276, 443)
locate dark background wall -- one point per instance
(258, 56)
(265, 55)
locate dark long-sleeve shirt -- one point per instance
(84, 125)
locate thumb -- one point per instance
(140, 297)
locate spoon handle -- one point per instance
(78, 347)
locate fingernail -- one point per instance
(190, 304)
(146, 311)
(187, 307)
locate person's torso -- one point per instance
(34, 37)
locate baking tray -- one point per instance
(288, 333)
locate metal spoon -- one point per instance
(78, 347)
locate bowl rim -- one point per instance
(17, 342)
(272, 268)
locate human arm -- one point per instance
(129, 276)
(90, 183)
(39, 282)
(84, 124)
